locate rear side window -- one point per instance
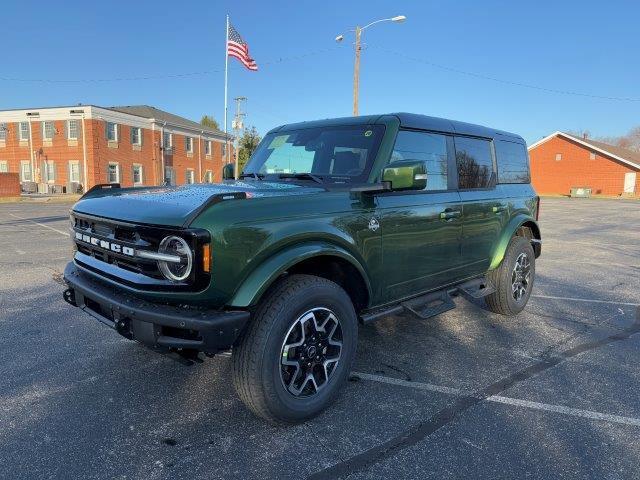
(513, 163)
(430, 148)
(475, 163)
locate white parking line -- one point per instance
(574, 412)
(591, 300)
(66, 234)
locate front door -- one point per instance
(630, 182)
(421, 228)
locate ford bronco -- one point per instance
(331, 223)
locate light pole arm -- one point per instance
(377, 21)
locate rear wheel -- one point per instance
(298, 350)
(513, 279)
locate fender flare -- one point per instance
(261, 277)
(508, 232)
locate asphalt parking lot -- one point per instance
(551, 393)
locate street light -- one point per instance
(356, 66)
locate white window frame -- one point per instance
(4, 128)
(71, 164)
(208, 176)
(191, 175)
(165, 136)
(26, 133)
(115, 132)
(113, 164)
(592, 155)
(207, 147)
(25, 163)
(45, 123)
(139, 142)
(77, 128)
(188, 140)
(558, 157)
(4, 166)
(49, 167)
(133, 179)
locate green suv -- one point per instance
(332, 223)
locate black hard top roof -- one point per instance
(412, 120)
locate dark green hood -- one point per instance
(174, 206)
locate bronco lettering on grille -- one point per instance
(114, 247)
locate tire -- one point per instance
(504, 300)
(269, 387)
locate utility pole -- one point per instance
(238, 127)
(356, 73)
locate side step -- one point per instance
(477, 288)
(430, 305)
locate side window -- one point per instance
(513, 166)
(430, 148)
(475, 163)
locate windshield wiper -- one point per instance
(257, 176)
(302, 176)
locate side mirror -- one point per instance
(406, 175)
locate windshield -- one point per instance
(331, 154)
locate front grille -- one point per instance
(98, 236)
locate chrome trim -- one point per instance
(163, 257)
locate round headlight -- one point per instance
(179, 267)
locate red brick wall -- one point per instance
(603, 175)
(9, 185)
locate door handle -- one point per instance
(450, 214)
(499, 208)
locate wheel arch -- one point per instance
(519, 226)
(317, 258)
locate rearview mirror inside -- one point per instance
(406, 175)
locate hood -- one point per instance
(177, 205)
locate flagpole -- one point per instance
(226, 81)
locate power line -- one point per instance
(500, 80)
(162, 76)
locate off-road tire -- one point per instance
(256, 357)
(502, 300)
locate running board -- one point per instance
(477, 288)
(430, 305)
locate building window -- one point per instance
(223, 149)
(49, 171)
(48, 130)
(136, 136)
(4, 167)
(208, 177)
(112, 132)
(558, 157)
(113, 173)
(74, 171)
(24, 131)
(3, 132)
(137, 174)
(191, 178)
(188, 144)
(207, 147)
(25, 171)
(167, 140)
(72, 130)
(592, 156)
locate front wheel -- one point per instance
(298, 350)
(513, 279)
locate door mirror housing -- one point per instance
(406, 175)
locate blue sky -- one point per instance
(570, 45)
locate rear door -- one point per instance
(484, 210)
(421, 229)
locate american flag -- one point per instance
(237, 47)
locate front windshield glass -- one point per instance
(332, 154)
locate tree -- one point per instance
(247, 144)
(210, 122)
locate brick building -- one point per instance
(72, 148)
(562, 161)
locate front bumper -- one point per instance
(161, 327)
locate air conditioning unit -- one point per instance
(581, 192)
(43, 188)
(29, 187)
(74, 187)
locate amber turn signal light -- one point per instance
(206, 257)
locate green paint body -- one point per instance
(409, 248)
